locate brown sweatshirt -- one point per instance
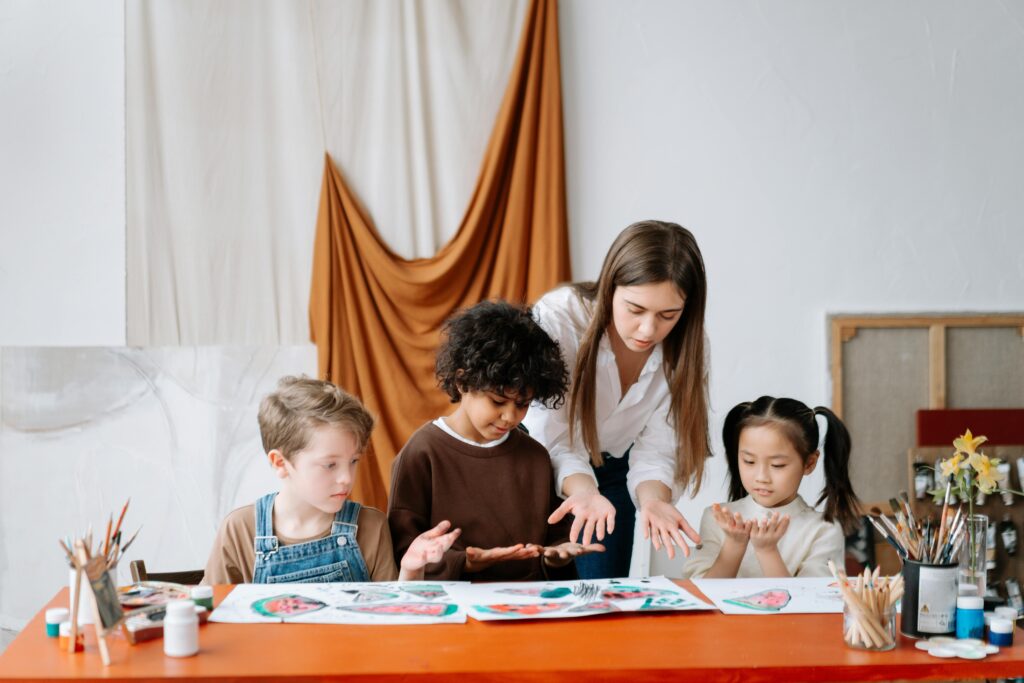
(499, 496)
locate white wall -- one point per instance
(829, 156)
(62, 165)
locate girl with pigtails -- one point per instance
(767, 529)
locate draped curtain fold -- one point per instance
(375, 317)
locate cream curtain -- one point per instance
(231, 105)
(375, 316)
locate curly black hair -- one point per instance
(497, 346)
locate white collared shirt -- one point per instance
(806, 547)
(639, 419)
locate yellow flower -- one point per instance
(967, 443)
(951, 465)
(988, 475)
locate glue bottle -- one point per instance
(181, 629)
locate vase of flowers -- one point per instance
(969, 473)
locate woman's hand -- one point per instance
(428, 547)
(564, 553)
(735, 528)
(766, 532)
(593, 514)
(478, 559)
(665, 526)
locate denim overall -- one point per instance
(332, 558)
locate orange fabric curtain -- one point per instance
(375, 317)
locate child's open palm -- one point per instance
(478, 559)
(564, 553)
(428, 547)
(766, 532)
(736, 528)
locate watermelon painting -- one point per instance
(771, 600)
(531, 610)
(548, 593)
(602, 607)
(284, 606)
(426, 591)
(663, 603)
(633, 593)
(404, 609)
(374, 596)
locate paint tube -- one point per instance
(923, 480)
(1013, 594)
(1004, 469)
(990, 546)
(1008, 532)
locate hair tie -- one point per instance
(822, 431)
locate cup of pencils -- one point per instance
(869, 608)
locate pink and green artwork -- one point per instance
(771, 600)
(546, 592)
(426, 591)
(284, 606)
(523, 610)
(600, 607)
(408, 609)
(632, 593)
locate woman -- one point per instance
(638, 397)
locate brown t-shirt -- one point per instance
(233, 556)
(498, 496)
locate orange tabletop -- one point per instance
(687, 646)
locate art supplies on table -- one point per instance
(91, 568)
(181, 628)
(408, 602)
(929, 599)
(965, 648)
(151, 595)
(149, 624)
(869, 608)
(568, 599)
(789, 595)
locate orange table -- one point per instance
(689, 646)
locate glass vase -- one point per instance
(972, 556)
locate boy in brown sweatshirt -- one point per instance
(475, 468)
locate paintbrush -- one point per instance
(900, 550)
(67, 551)
(124, 548)
(106, 539)
(893, 529)
(117, 528)
(945, 507)
(905, 499)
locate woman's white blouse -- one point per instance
(639, 419)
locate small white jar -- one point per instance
(181, 629)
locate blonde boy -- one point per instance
(314, 434)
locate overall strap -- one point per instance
(346, 519)
(265, 542)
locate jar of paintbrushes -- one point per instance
(869, 608)
(928, 551)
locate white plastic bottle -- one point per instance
(181, 629)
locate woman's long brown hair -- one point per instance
(649, 252)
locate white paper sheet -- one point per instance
(410, 602)
(791, 595)
(565, 599)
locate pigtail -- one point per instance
(841, 504)
(731, 439)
